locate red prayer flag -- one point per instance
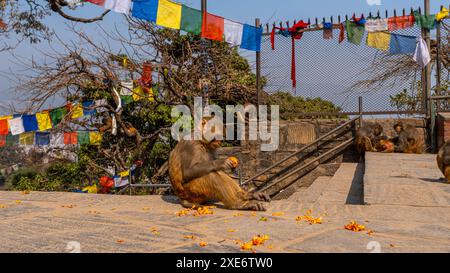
(2, 140)
(3, 127)
(70, 138)
(401, 22)
(212, 27)
(97, 2)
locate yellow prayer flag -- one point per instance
(442, 14)
(138, 94)
(95, 138)
(77, 111)
(124, 174)
(379, 40)
(6, 117)
(169, 14)
(26, 138)
(44, 121)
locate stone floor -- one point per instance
(408, 211)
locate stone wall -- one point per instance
(443, 128)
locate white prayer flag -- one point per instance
(375, 25)
(422, 54)
(16, 126)
(233, 32)
(122, 6)
(127, 88)
(57, 140)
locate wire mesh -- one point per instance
(336, 71)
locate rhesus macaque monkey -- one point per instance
(407, 140)
(367, 136)
(443, 160)
(198, 178)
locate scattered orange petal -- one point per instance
(370, 232)
(154, 230)
(145, 208)
(263, 219)
(2, 206)
(355, 227)
(231, 230)
(18, 202)
(25, 192)
(68, 206)
(192, 237)
(202, 244)
(237, 214)
(247, 246)
(277, 214)
(120, 241)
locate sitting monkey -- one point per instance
(407, 140)
(367, 136)
(198, 178)
(443, 160)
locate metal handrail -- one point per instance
(347, 142)
(302, 149)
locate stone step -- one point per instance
(346, 186)
(313, 192)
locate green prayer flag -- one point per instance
(355, 32)
(126, 99)
(83, 137)
(12, 140)
(191, 20)
(426, 21)
(57, 115)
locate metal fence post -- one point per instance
(258, 70)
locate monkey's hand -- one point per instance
(226, 165)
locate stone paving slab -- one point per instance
(400, 179)
(44, 222)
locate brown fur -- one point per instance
(367, 136)
(408, 140)
(207, 182)
(443, 160)
(385, 146)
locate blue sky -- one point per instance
(244, 11)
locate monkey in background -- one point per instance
(198, 178)
(443, 160)
(407, 140)
(367, 137)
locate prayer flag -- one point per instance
(88, 108)
(375, 25)
(97, 2)
(2, 140)
(58, 114)
(16, 126)
(12, 140)
(42, 138)
(77, 111)
(379, 40)
(401, 44)
(83, 137)
(138, 94)
(100, 105)
(212, 27)
(145, 9)
(251, 38)
(30, 123)
(401, 22)
(126, 99)
(126, 88)
(26, 139)
(169, 14)
(70, 138)
(44, 121)
(426, 21)
(422, 54)
(57, 140)
(442, 14)
(95, 138)
(121, 6)
(355, 32)
(191, 20)
(4, 128)
(233, 32)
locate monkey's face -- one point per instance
(398, 129)
(215, 144)
(378, 130)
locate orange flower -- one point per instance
(310, 219)
(192, 237)
(355, 227)
(247, 246)
(18, 202)
(276, 214)
(154, 230)
(202, 244)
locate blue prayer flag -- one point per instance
(145, 9)
(401, 44)
(30, 123)
(86, 110)
(42, 138)
(251, 38)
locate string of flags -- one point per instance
(52, 139)
(379, 35)
(173, 15)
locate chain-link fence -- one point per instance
(341, 72)
(443, 77)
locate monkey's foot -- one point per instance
(188, 205)
(255, 206)
(261, 196)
